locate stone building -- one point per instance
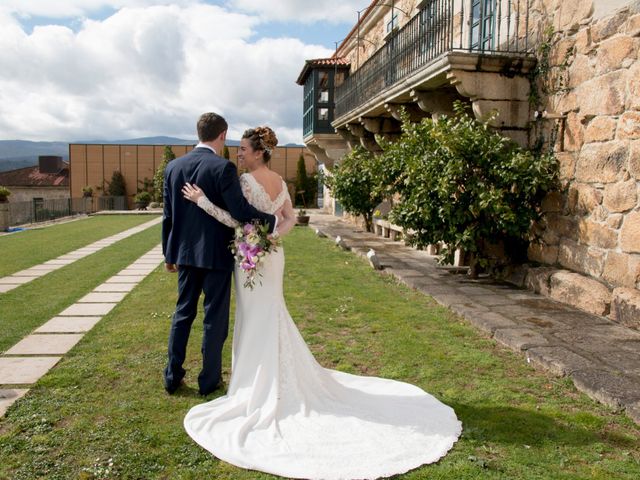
(562, 72)
(49, 180)
(93, 164)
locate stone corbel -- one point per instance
(414, 112)
(380, 124)
(366, 138)
(489, 92)
(350, 138)
(369, 143)
(434, 102)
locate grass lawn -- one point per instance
(34, 246)
(27, 307)
(102, 412)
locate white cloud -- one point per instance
(149, 70)
(306, 11)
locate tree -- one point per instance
(117, 186)
(462, 183)
(225, 152)
(158, 177)
(353, 183)
(306, 183)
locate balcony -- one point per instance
(474, 50)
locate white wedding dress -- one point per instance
(287, 415)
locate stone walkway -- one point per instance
(600, 356)
(33, 356)
(25, 276)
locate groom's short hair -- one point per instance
(210, 126)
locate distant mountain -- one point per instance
(159, 140)
(24, 153)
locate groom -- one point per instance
(197, 247)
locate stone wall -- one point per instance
(27, 194)
(592, 228)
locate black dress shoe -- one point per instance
(171, 389)
(218, 386)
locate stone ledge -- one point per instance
(580, 292)
(519, 338)
(558, 360)
(625, 307)
(605, 386)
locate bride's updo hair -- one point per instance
(262, 138)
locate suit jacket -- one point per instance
(189, 235)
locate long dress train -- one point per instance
(285, 414)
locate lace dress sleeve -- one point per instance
(216, 212)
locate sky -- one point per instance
(73, 70)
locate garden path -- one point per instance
(33, 356)
(25, 276)
(600, 356)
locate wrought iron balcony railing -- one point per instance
(441, 26)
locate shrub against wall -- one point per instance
(462, 183)
(117, 186)
(355, 183)
(158, 177)
(307, 183)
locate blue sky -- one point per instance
(104, 69)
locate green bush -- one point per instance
(225, 152)
(117, 186)
(143, 197)
(4, 193)
(307, 183)
(355, 183)
(158, 176)
(462, 183)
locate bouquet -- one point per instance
(250, 246)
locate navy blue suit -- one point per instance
(199, 245)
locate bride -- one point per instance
(283, 412)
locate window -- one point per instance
(392, 23)
(323, 114)
(323, 96)
(482, 24)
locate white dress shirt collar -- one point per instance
(204, 145)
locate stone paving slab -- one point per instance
(115, 287)
(559, 360)
(11, 280)
(102, 297)
(87, 309)
(7, 287)
(45, 344)
(24, 370)
(31, 272)
(8, 397)
(68, 325)
(126, 279)
(520, 338)
(601, 357)
(136, 271)
(58, 261)
(45, 267)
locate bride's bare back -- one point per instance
(270, 182)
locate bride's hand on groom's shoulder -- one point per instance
(192, 192)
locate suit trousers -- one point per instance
(216, 286)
